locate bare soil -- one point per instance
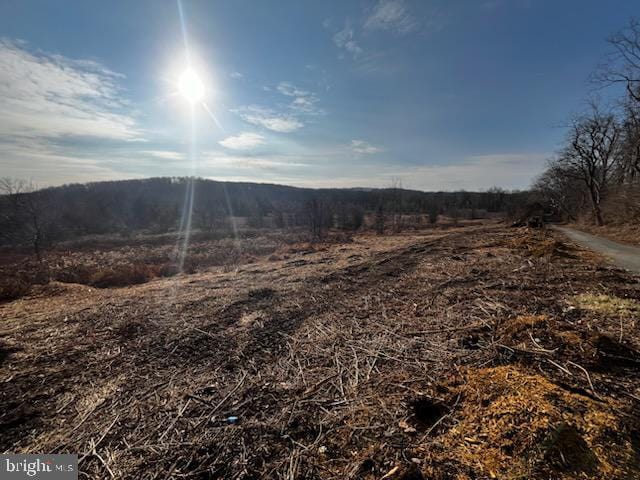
(470, 353)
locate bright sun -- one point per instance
(190, 86)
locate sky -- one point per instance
(435, 94)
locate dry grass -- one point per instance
(607, 304)
(103, 265)
(516, 424)
(447, 355)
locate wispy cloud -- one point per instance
(164, 154)
(290, 90)
(50, 96)
(391, 15)
(474, 173)
(478, 172)
(333, 167)
(345, 40)
(236, 164)
(243, 141)
(269, 118)
(282, 118)
(303, 101)
(361, 147)
(236, 75)
(64, 119)
(49, 164)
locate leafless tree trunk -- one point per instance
(562, 190)
(379, 219)
(318, 219)
(396, 205)
(630, 145)
(592, 155)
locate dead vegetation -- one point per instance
(103, 265)
(518, 424)
(538, 243)
(451, 355)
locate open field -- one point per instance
(476, 352)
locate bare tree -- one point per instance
(592, 155)
(12, 191)
(318, 217)
(28, 215)
(622, 66)
(379, 219)
(396, 204)
(560, 187)
(629, 172)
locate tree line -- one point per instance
(40, 217)
(595, 176)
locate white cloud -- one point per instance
(50, 96)
(48, 164)
(345, 39)
(164, 154)
(243, 141)
(361, 147)
(238, 163)
(474, 173)
(304, 102)
(290, 90)
(269, 119)
(478, 172)
(391, 15)
(236, 75)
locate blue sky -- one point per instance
(441, 95)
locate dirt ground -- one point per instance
(471, 353)
(629, 233)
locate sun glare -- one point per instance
(190, 86)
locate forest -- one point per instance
(595, 176)
(38, 219)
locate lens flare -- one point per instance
(191, 87)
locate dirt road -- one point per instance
(624, 256)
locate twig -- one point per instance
(313, 388)
(175, 419)
(224, 400)
(588, 378)
(565, 370)
(104, 463)
(540, 347)
(442, 330)
(104, 434)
